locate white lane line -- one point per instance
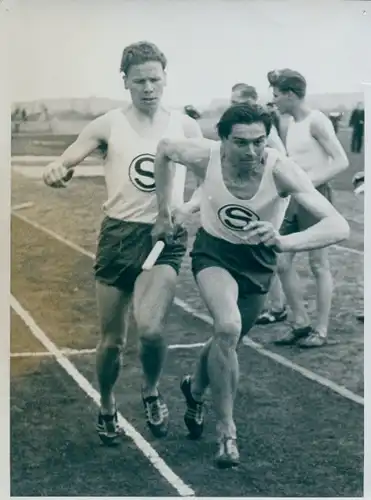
(21, 206)
(160, 465)
(348, 249)
(39, 354)
(186, 346)
(83, 352)
(32, 354)
(343, 391)
(54, 235)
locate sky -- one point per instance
(72, 48)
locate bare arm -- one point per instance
(87, 141)
(323, 131)
(192, 153)
(60, 171)
(331, 227)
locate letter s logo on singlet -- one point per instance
(235, 217)
(141, 172)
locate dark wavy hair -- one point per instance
(139, 53)
(286, 79)
(243, 113)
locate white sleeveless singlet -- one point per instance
(224, 216)
(129, 170)
(274, 141)
(302, 147)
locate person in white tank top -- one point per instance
(244, 93)
(244, 191)
(129, 139)
(312, 143)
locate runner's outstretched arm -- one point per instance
(60, 170)
(331, 226)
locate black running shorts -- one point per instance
(124, 246)
(252, 266)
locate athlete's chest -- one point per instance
(299, 139)
(130, 155)
(124, 141)
(241, 189)
(234, 203)
(131, 158)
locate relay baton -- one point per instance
(153, 255)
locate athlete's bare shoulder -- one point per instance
(317, 114)
(318, 117)
(192, 153)
(99, 127)
(320, 125)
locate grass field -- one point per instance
(299, 413)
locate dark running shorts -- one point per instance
(297, 218)
(252, 266)
(124, 246)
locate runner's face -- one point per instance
(146, 83)
(282, 100)
(245, 145)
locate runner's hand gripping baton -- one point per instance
(153, 255)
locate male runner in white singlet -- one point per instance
(130, 137)
(242, 93)
(244, 192)
(312, 143)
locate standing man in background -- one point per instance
(312, 143)
(357, 122)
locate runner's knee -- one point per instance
(150, 338)
(149, 327)
(112, 334)
(227, 332)
(227, 341)
(111, 342)
(319, 265)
